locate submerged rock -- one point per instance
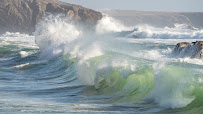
(192, 50)
(23, 15)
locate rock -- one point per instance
(179, 47)
(192, 50)
(23, 15)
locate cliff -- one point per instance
(23, 15)
(157, 19)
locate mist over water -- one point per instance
(63, 69)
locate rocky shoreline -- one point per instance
(23, 15)
(186, 49)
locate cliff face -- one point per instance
(195, 18)
(157, 19)
(23, 15)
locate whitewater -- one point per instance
(64, 68)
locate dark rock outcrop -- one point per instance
(179, 47)
(192, 50)
(23, 15)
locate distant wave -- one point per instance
(179, 31)
(110, 25)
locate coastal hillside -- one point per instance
(157, 19)
(23, 15)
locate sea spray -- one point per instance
(174, 86)
(122, 69)
(57, 36)
(53, 32)
(179, 31)
(110, 25)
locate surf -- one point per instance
(98, 64)
(105, 67)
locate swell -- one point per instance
(111, 71)
(25, 73)
(68, 60)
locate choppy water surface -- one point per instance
(62, 69)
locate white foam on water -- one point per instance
(26, 53)
(21, 65)
(22, 40)
(16, 34)
(179, 31)
(173, 86)
(57, 36)
(190, 60)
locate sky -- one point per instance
(143, 5)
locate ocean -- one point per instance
(115, 69)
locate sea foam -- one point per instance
(179, 31)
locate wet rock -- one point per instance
(192, 50)
(179, 47)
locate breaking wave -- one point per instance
(120, 70)
(180, 31)
(111, 71)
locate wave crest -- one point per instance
(53, 32)
(179, 31)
